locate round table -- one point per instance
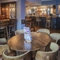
(39, 40)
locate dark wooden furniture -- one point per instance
(42, 22)
(8, 10)
(58, 22)
(12, 27)
(39, 40)
(4, 10)
(3, 28)
(55, 22)
(30, 24)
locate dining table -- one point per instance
(39, 41)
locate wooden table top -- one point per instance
(39, 40)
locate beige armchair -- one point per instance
(44, 30)
(49, 55)
(19, 32)
(3, 47)
(18, 57)
(55, 36)
(3, 40)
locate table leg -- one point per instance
(33, 54)
(29, 56)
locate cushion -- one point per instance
(3, 40)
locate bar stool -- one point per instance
(48, 22)
(38, 21)
(30, 24)
(12, 27)
(3, 29)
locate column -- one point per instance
(20, 5)
(56, 6)
(56, 9)
(22, 12)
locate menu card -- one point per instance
(27, 34)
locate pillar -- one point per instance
(56, 6)
(22, 12)
(20, 9)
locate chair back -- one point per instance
(44, 30)
(3, 23)
(54, 47)
(18, 57)
(12, 22)
(55, 36)
(49, 55)
(19, 32)
(3, 40)
(3, 47)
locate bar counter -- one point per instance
(55, 21)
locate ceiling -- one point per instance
(35, 2)
(31, 3)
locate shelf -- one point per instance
(8, 10)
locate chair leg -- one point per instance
(10, 28)
(47, 24)
(4, 31)
(58, 58)
(7, 32)
(32, 26)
